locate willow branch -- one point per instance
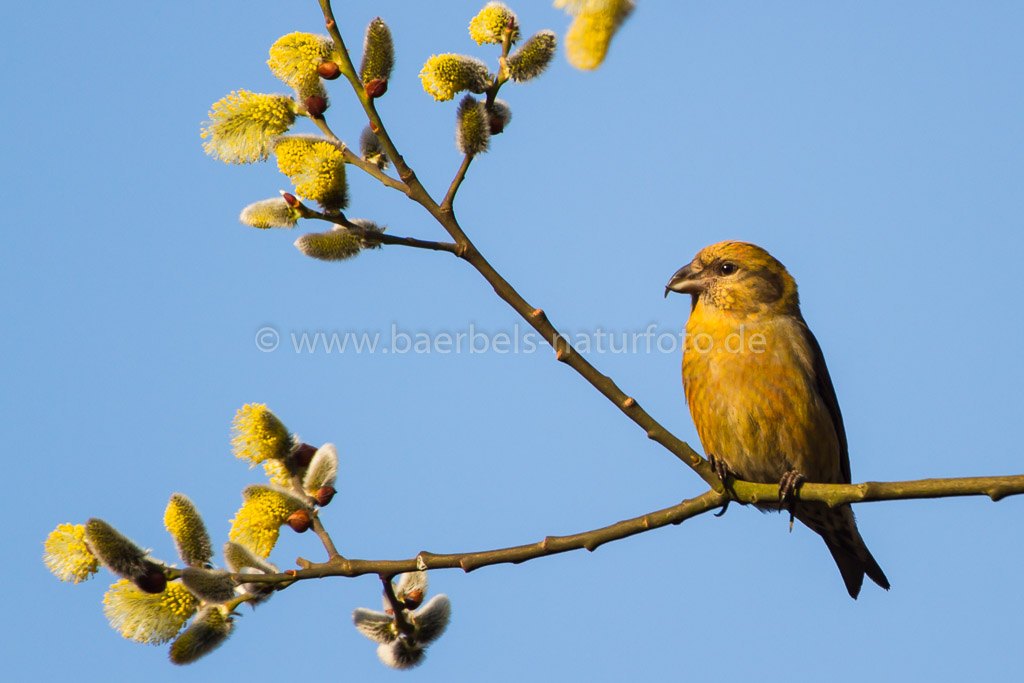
(325, 538)
(449, 198)
(351, 157)
(384, 238)
(374, 170)
(397, 608)
(995, 488)
(550, 545)
(344, 62)
(535, 317)
(372, 238)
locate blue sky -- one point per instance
(874, 148)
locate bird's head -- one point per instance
(737, 276)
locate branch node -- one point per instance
(629, 402)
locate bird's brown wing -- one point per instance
(828, 395)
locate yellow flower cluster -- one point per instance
(333, 245)
(316, 167)
(294, 59)
(473, 128)
(592, 29)
(533, 57)
(208, 631)
(257, 525)
(185, 525)
(269, 213)
(447, 74)
(67, 555)
(259, 435)
(490, 23)
(277, 473)
(148, 617)
(242, 124)
(378, 52)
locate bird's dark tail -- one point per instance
(838, 529)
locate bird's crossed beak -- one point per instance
(687, 280)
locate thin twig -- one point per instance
(397, 608)
(449, 198)
(372, 237)
(325, 538)
(532, 315)
(351, 157)
(385, 238)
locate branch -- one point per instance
(995, 488)
(446, 203)
(397, 608)
(551, 545)
(372, 237)
(535, 317)
(384, 238)
(344, 62)
(351, 157)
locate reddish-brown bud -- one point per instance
(316, 105)
(153, 581)
(324, 495)
(413, 599)
(290, 199)
(304, 453)
(299, 521)
(328, 71)
(376, 88)
(497, 125)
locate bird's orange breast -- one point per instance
(751, 390)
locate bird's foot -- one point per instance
(788, 485)
(719, 466)
(722, 471)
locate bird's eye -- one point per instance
(727, 268)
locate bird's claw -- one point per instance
(788, 485)
(721, 470)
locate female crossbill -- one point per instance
(760, 394)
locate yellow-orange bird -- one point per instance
(760, 394)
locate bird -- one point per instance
(760, 394)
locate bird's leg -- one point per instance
(722, 471)
(788, 485)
